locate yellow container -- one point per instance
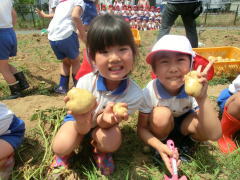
(229, 67)
(136, 35)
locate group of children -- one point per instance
(165, 110)
(148, 18)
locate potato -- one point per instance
(192, 85)
(119, 109)
(80, 101)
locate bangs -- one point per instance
(107, 31)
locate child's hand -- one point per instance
(166, 154)
(110, 117)
(84, 121)
(39, 12)
(120, 110)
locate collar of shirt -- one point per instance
(165, 95)
(101, 86)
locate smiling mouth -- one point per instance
(115, 69)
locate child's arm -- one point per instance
(14, 17)
(42, 14)
(76, 14)
(208, 119)
(146, 135)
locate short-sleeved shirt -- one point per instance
(6, 117)
(6, 13)
(127, 92)
(61, 26)
(156, 95)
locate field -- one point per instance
(42, 110)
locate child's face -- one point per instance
(115, 62)
(170, 68)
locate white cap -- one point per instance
(235, 86)
(174, 43)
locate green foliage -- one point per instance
(25, 1)
(219, 80)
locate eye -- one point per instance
(103, 51)
(123, 48)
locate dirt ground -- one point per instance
(43, 69)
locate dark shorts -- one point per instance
(66, 48)
(176, 134)
(8, 43)
(89, 13)
(16, 133)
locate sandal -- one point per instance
(104, 162)
(59, 162)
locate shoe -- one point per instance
(59, 162)
(22, 80)
(15, 90)
(230, 126)
(61, 90)
(7, 168)
(104, 162)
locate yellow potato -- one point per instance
(192, 85)
(80, 101)
(119, 109)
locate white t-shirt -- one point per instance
(6, 13)
(61, 26)
(6, 117)
(128, 92)
(156, 95)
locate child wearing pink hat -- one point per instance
(229, 104)
(168, 112)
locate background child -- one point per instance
(168, 111)
(229, 104)
(11, 136)
(64, 39)
(111, 50)
(8, 48)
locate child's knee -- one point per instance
(107, 140)
(162, 120)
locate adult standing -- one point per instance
(189, 10)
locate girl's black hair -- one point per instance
(109, 30)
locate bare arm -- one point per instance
(76, 14)
(146, 135)
(42, 14)
(208, 119)
(14, 17)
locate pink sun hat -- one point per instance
(174, 43)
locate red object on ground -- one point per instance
(198, 60)
(85, 67)
(230, 126)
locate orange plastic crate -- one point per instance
(136, 36)
(230, 67)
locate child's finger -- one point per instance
(208, 67)
(167, 163)
(199, 68)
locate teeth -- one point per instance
(115, 68)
